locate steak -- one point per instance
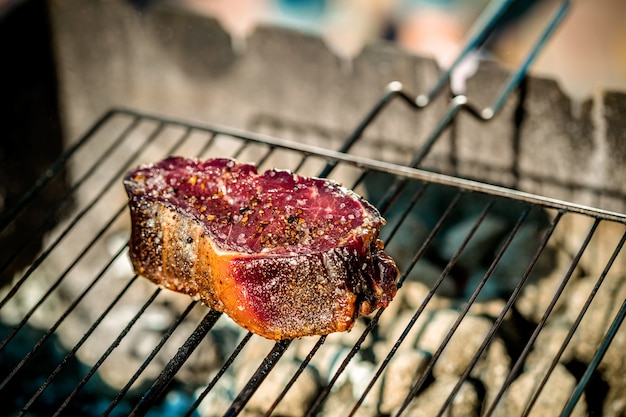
(283, 255)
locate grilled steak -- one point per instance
(283, 255)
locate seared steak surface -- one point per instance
(283, 255)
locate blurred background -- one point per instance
(68, 63)
(588, 50)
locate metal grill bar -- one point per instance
(95, 367)
(174, 365)
(357, 345)
(462, 314)
(305, 362)
(56, 284)
(67, 197)
(615, 325)
(78, 258)
(52, 328)
(53, 170)
(474, 296)
(221, 372)
(390, 200)
(497, 323)
(264, 149)
(152, 355)
(76, 347)
(484, 27)
(418, 384)
(522, 69)
(478, 34)
(266, 366)
(542, 322)
(75, 220)
(568, 338)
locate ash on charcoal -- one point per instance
(34, 373)
(545, 349)
(551, 400)
(591, 331)
(295, 402)
(481, 249)
(431, 328)
(466, 403)
(548, 343)
(349, 385)
(402, 371)
(463, 345)
(428, 333)
(540, 289)
(516, 258)
(93, 399)
(219, 398)
(341, 401)
(574, 228)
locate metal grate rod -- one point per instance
(108, 352)
(219, 374)
(456, 104)
(399, 170)
(520, 360)
(478, 34)
(56, 325)
(77, 346)
(488, 112)
(597, 357)
(66, 198)
(77, 218)
(54, 169)
(68, 269)
(260, 374)
(575, 324)
(56, 284)
(445, 273)
(173, 366)
(505, 245)
(295, 376)
(145, 363)
(357, 345)
(500, 318)
(409, 326)
(392, 90)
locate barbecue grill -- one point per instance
(509, 302)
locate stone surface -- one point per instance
(295, 402)
(466, 403)
(592, 331)
(551, 400)
(539, 291)
(401, 373)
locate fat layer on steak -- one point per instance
(283, 255)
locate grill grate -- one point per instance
(79, 298)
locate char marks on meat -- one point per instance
(283, 255)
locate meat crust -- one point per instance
(283, 255)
